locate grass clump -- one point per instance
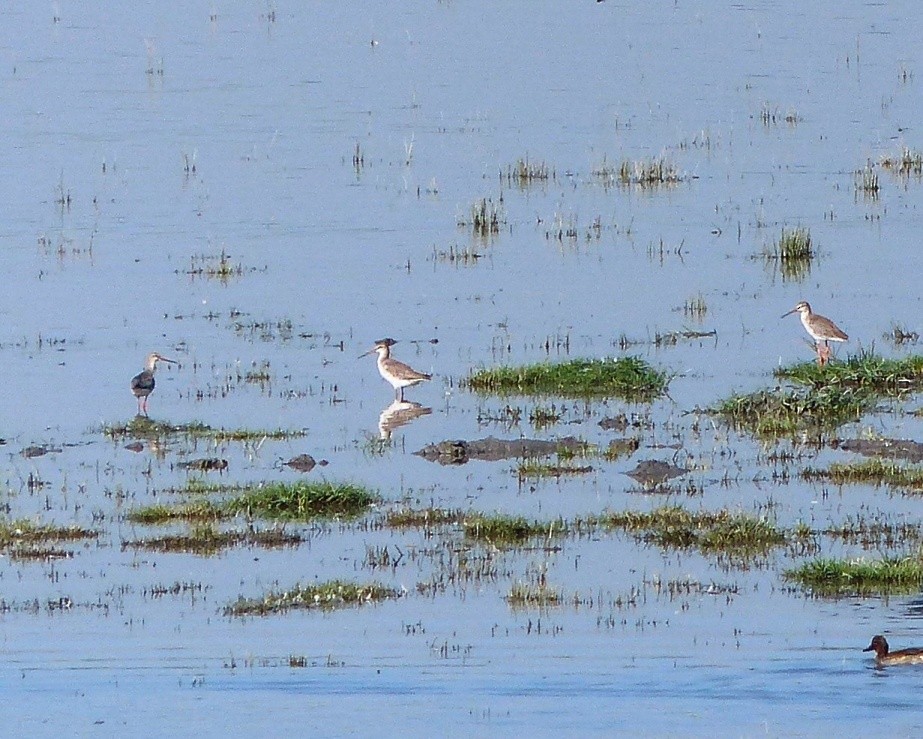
(522, 595)
(709, 532)
(768, 413)
(206, 540)
(326, 596)
(630, 378)
(302, 501)
(874, 471)
(644, 173)
(424, 518)
(861, 577)
(23, 533)
(525, 173)
(299, 501)
(503, 531)
(792, 253)
(202, 510)
(865, 371)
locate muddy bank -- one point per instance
(903, 449)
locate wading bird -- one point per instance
(142, 384)
(400, 375)
(820, 328)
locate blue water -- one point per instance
(142, 141)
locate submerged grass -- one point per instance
(630, 378)
(522, 595)
(326, 596)
(874, 471)
(859, 576)
(144, 427)
(22, 532)
(206, 540)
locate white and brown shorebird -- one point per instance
(820, 329)
(400, 375)
(142, 384)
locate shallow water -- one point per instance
(143, 143)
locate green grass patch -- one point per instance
(859, 576)
(630, 378)
(862, 372)
(508, 531)
(303, 501)
(770, 413)
(872, 471)
(279, 501)
(710, 532)
(326, 596)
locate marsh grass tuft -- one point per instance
(522, 595)
(278, 501)
(792, 253)
(830, 396)
(643, 173)
(303, 501)
(770, 413)
(709, 532)
(207, 540)
(862, 372)
(629, 378)
(23, 534)
(485, 218)
(326, 596)
(533, 469)
(525, 173)
(859, 576)
(507, 531)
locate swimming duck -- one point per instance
(879, 645)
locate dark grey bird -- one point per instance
(400, 375)
(142, 384)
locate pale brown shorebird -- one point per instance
(142, 384)
(820, 329)
(400, 375)
(883, 656)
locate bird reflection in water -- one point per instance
(399, 413)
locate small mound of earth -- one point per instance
(302, 463)
(909, 451)
(493, 450)
(652, 472)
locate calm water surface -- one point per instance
(142, 143)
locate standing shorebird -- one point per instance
(400, 375)
(820, 328)
(142, 384)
